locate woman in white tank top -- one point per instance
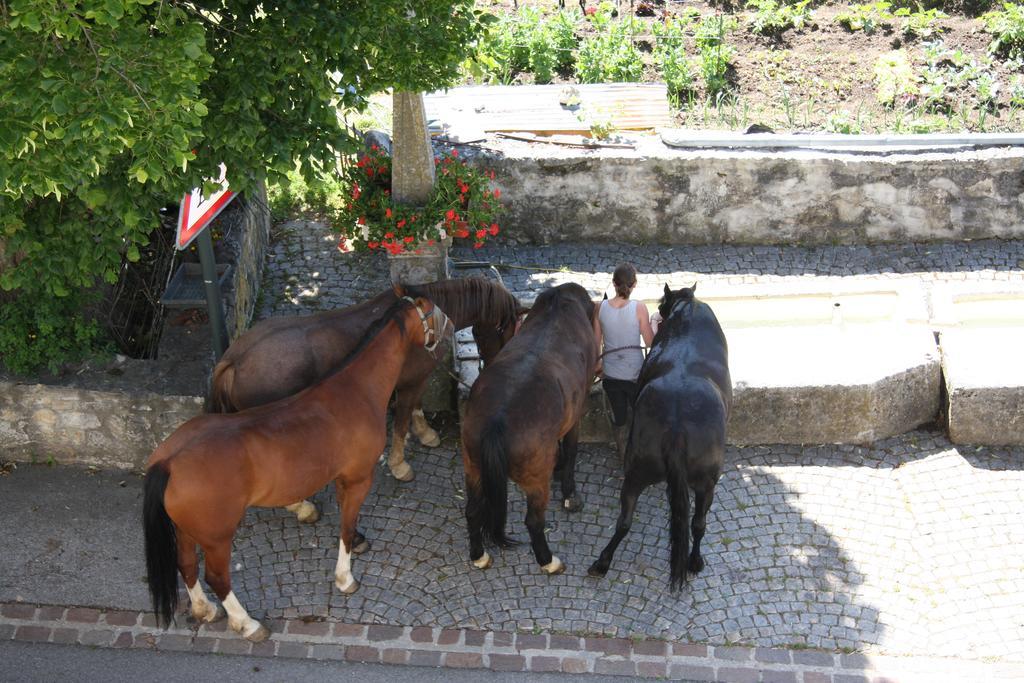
(619, 325)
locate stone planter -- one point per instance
(429, 265)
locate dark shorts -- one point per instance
(621, 394)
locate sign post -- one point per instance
(196, 213)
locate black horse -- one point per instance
(678, 430)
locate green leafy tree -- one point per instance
(110, 108)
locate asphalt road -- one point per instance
(28, 663)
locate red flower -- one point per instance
(356, 192)
(409, 239)
(480, 234)
(343, 246)
(389, 235)
(369, 173)
(494, 229)
(455, 153)
(437, 160)
(477, 245)
(400, 224)
(462, 232)
(590, 11)
(372, 245)
(497, 194)
(430, 243)
(381, 169)
(387, 213)
(361, 220)
(374, 147)
(450, 215)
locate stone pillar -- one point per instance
(412, 182)
(412, 168)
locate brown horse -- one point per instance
(523, 417)
(200, 481)
(282, 356)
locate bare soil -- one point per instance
(809, 77)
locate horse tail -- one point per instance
(220, 388)
(494, 481)
(673, 450)
(161, 545)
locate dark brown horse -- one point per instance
(678, 431)
(200, 481)
(281, 356)
(520, 408)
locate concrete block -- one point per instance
(981, 340)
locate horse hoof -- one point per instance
(554, 567)
(696, 565)
(430, 439)
(311, 518)
(361, 545)
(350, 589)
(573, 504)
(211, 614)
(259, 635)
(402, 472)
(483, 562)
(597, 571)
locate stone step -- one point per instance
(982, 337)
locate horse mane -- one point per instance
(375, 329)
(472, 299)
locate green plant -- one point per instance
(462, 206)
(295, 194)
(1007, 25)
(894, 77)
(526, 42)
(609, 56)
(921, 23)
(868, 17)
(844, 122)
(772, 18)
(715, 55)
(111, 108)
(671, 56)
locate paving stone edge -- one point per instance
(494, 650)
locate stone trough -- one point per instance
(982, 340)
(831, 361)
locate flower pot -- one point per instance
(429, 265)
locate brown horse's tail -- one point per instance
(674, 453)
(161, 545)
(220, 388)
(492, 498)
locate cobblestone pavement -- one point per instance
(912, 546)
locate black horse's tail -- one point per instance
(674, 452)
(161, 546)
(493, 494)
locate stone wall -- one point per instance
(655, 193)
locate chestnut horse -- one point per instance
(282, 356)
(520, 408)
(200, 480)
(677, 435)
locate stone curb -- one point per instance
(477, 649)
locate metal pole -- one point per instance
(213, 303)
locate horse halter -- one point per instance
(430, 338)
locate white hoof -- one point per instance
(307, 514)
(482, 562)
(207, 613)
(429, 438)
(401, 471)
(347, 587)
(555, 566)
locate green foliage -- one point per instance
(922, 22)
(527, 42)
(109, 108)
(894, 77)
(610, 55)
(844, 122)
(294, 194)
(772, 18)
(462, 206)
(868, 17)
(671, 56)
(715, 55)
(49, 332)
(950, 77)
(1007, 25)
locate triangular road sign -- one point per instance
(198, 211)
